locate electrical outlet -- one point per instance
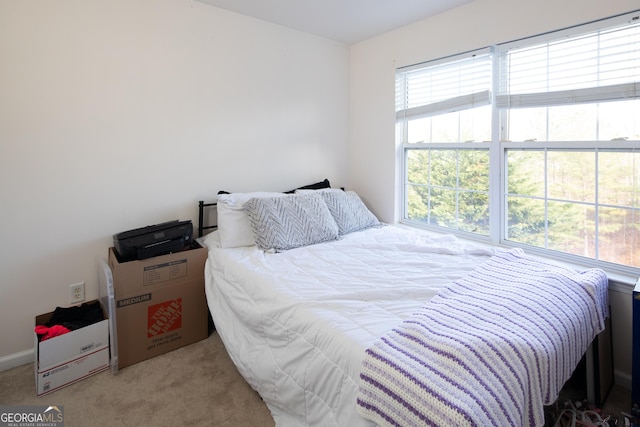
(76, 292)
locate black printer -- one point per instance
(153, 240)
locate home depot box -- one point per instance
(71, 357)
(159, 304)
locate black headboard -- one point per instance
(202, 207)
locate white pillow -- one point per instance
(233, 223)
(210, 240)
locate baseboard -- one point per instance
(16, 359)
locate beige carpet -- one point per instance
(196, 385)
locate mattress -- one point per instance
(297, 323)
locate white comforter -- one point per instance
(297, 323)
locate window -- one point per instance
(449, 187)
(441, 109)
(532, 143)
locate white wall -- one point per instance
(373, 170)
(123, 113)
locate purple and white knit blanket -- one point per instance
(490, 350)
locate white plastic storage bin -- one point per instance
(107, 298)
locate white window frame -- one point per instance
(498, 146)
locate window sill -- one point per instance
(620, 282)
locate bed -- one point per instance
(336, 319)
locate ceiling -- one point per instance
(347, 21)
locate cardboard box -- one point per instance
(160, 304)
(71, 357)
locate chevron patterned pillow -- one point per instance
(348, 210)
(282, 223)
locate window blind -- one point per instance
(438, 88)
(596, 67)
